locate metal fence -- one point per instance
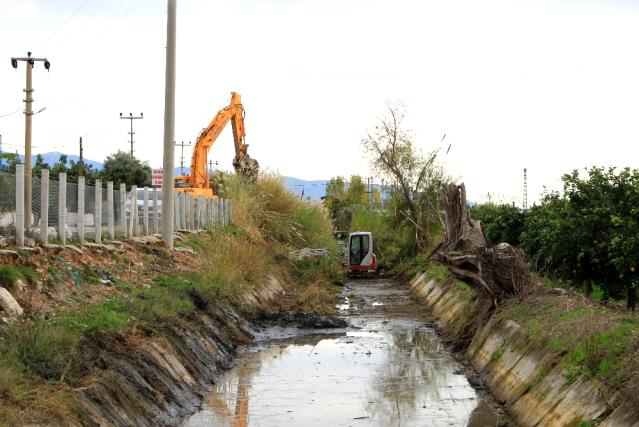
(64, 210)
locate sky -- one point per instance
(550, 86)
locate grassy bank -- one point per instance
(586, 338)
(73, 301)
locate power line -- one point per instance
(97, 12)
(48, 39)
(117, 21)
(10, 114)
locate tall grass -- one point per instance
(267, 212)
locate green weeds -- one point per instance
(9, 274)
(437, 272)
(316, 269)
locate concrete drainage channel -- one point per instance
(387, 367)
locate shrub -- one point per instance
(8, 276)
(502, 223)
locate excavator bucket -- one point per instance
(247, 166)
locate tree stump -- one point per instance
(495, 272)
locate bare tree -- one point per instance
(415, 176)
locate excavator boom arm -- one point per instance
(234, 113)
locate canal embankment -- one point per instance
(552, 358)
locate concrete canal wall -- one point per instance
(532, 384)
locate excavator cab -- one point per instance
(360, 259)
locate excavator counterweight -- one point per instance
(198, 182)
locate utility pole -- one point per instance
(28, 114)
(169, 128)
(81, 164)
(182, 145)
(525, 198)
(131, 118)
(369, 187)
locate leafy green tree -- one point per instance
(88, 172)
(547, 236)
(122, 167)
(606, 215)
(502, 223)
(9, 162)
(60, 166)
(335, 197)
(341, 200)
(356, 193)
(39, 165)
(590, 232)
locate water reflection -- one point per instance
(417, 382)
(392, 378)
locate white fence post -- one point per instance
(218, 213)
(192, 213)
(80, 213)
(183, 211)
(196, 211)
(213, 212)
(156, 214)
(123, 227)
(208, 212)
(44, 206)
(187, 211)
(218, 216)
(62, 208)
(176, 210)
(145, 219)
(110, 214)
(20, 205)
(97, 237)
(223, 203)
(133, 210)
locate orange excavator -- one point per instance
(197, 183)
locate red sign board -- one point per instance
(156, 178)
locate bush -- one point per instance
(8, 276)
(502, 223)
(317, 269)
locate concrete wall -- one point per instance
(530, 382)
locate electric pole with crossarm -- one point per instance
(28, 114)
(132, 117)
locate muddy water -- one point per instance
(388, 368)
